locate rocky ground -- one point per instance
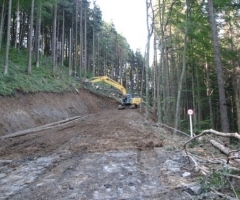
(104, 154)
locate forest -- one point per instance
(194, 44)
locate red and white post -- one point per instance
(190, 113)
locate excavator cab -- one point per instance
(127, 99)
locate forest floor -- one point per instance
(104, 154)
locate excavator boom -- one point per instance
(127, 98)
(110, 82)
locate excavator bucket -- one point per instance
(121, 107)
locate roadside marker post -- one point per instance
(190, 113)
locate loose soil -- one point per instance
(105, 154)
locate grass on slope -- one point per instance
(41, 79)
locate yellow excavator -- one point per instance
(127, 99)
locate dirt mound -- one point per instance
(24, 111)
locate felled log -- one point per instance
(226, 151)
(41, 128)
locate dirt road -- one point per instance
(106, 154)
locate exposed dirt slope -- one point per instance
(22, 111)
(106, 154)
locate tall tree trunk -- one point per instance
(219, 70)
(81, 40)
(98, 55)
(17, 26)
(180, 82)
(85, 40)
(155, 73)
(93, 54)
(22, 28)
(29, 69)
(149, 34)
(76, 39)
(37, 34)
(63, 39)
(8, 37)
(2, 23)
(70, 53)
(162, 52)
(54, 30)
(209, 95)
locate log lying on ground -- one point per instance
(234, 135)
(230, 154)
(221, 147)
(41, 128)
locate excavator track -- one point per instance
(121, 107)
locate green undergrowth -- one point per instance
(41, 79)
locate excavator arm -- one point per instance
(110, 82)
(127, 98)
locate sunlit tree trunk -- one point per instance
(219, 70)
(54, 38)
(8, 37)
(37, 34)
(17, 25)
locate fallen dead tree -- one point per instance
(228, 168)
(231, 154)
(41, 128)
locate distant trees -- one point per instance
(44, 26)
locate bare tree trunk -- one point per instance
(76, 39)
(155, 74)
(8, 37)
(85, 40)
(2, 23)
(209, 94)
(150, 31)
(81, 40)
(17, 26)
(54, 42)
(98, 56)
(29, 69)
(94, 68)
(37, 34)
(70, 53)
(22, 28)
(180, 83)
(63, 39)
(218, 62)
(93, 56)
